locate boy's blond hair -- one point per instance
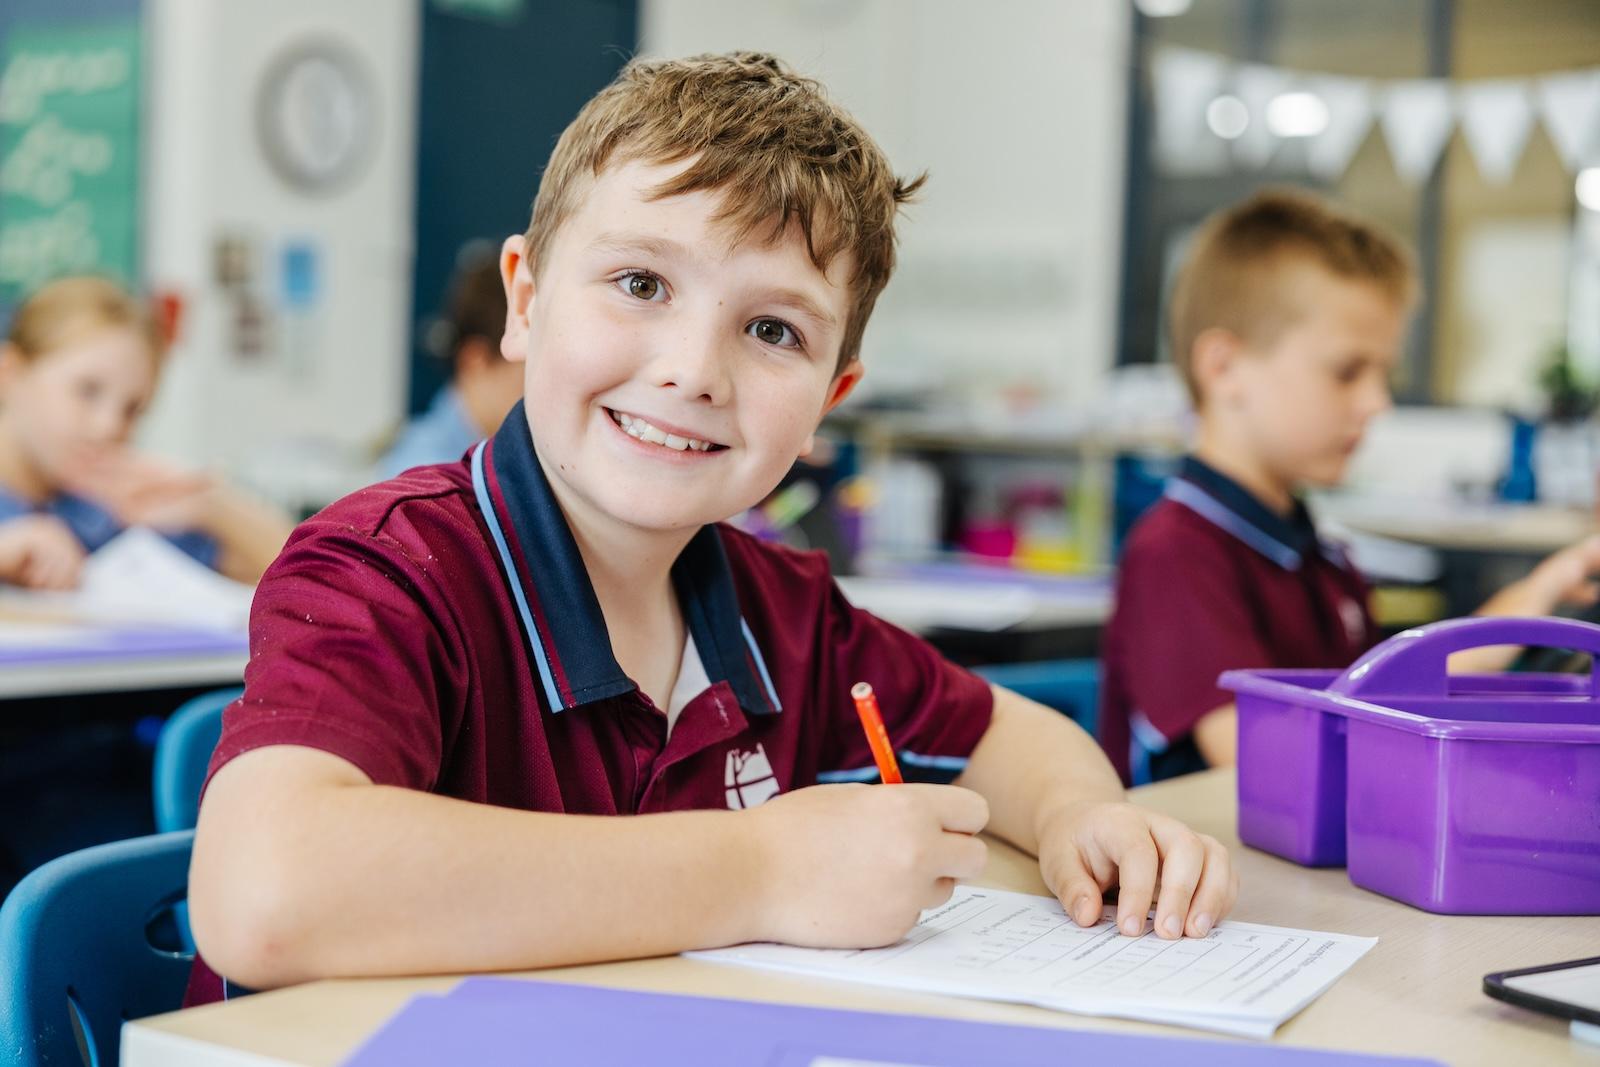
(66, 310)
(770, 141)
(1236, 272)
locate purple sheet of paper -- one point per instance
(95, 645)
(489, 1022)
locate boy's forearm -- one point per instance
(468, 887)
(1034, 765)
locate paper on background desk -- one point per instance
(136, 577)
(1241, 979)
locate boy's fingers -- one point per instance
(958, 810)
(1137, 863)
(940, 892)
(1076, 888)
(961, 856)
(1183, 861)
(1218, 888)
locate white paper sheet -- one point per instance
(1241, 979)
(136, 577)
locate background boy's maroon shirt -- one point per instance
(1210, 580)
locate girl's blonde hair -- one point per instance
(68, 309)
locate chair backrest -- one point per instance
(182, 753)
(1071, 686)
(88, 943)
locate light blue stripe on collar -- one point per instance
(1213, 511)
(761, 664)
(480, 486)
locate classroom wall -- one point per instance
(1009, 264)
(296, 325)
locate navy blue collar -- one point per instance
(561, 616)
(1286, 540)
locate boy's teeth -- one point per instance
(636, 427)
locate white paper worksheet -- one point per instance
(987, 943)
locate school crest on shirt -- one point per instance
(748, 779)
(1354, 620)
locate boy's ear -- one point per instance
(1212, 362)
(843, 384)
(517, 278)
(12, 365)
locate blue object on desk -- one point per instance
(1071, 686)
(183, 752)
(493, 1021)
(78, 937)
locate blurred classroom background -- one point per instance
(294, 184)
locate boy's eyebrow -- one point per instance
(793, 298)
(659, 247)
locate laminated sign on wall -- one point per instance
(69, 153)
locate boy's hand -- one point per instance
(40, 552)
(852, 866)
(1565, 577)
(1087, 849)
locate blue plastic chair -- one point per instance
(182, 753)
(1071, 686)
(88, 943)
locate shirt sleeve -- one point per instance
(935, 712)
(347, 655)
(1185, 618)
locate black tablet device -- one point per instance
(1566, 990)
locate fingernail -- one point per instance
(1173, 925)
(1202, 923)
(1132, 925)
(1079, 907)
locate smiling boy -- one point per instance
(454, 675)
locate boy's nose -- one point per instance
(696, 365)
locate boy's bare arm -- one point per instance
(1054, 793)
(303, 869)
(1216, 735)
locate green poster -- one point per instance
(69, 153)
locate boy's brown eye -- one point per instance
(774, 332)
(643, 286)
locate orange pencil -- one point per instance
(877, 736)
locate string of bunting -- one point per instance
(1215, 114)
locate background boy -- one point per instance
(1286, 321)
(455, 674)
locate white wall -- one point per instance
(336, 372)
(1009, 267)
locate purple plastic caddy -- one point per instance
(1475, 795)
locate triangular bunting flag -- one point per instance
(1258, 86)
(1569, 104)
(1496, 118)
(1184, 82)
(1416, 120)
(1349, 103)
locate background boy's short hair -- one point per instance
(1233, 275)
(765, 137)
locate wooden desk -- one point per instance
(1416, 993)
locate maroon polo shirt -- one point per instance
(439, 631)
(1211, 579)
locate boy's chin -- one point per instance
(1327, 475)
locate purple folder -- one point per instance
(488, 1022)
(95, 645)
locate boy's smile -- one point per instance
(672, 377)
